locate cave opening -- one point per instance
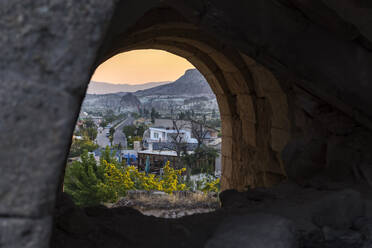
(255, 126)
(153, 144)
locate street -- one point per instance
(119, 136)
(102, 140)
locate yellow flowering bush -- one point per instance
(90, 183)
(143, 181)
(118, 181)
(212, 186)
(171, 180)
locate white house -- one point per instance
(153, 135)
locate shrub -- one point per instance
(82, 181)
(92, 184)
(209, 183)
(79, 146)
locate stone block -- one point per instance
(279, 139)
(246, 107)
(248, 132)
(237, 83)
(226, 146)
(264, 81)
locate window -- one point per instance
(156, 135)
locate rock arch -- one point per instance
(253, 106)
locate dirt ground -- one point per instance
(163, 205)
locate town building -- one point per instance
(166, 136)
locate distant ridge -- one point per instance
(190, 91)
(107, 88)
(191, 83)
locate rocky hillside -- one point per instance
(190, 92)
(119, 103)
(191, 83)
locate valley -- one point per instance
(190, 92)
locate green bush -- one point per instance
(79, 146)
(82, 180)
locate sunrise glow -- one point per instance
(141, 66)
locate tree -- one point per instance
(141, 129)
(103, 123)
(79, 146)
(146, 112)
(133, 130)
(182, 116)
(109, 157)
(130, 141)
(129, 130)
(135, 115)
(111, 132)
(89, 123)
(83, 179)
(201, 160)
(199, 130)
(177, 139)
(86, 181)
(154, 114)
(90, 133)
(178, 142)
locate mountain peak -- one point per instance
(190, 83)
(191, 71)
(191, 75)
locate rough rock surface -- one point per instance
(47, 50)
(287, 215)
(126, 227)
(24, 232)
(254, 231)
(338, 210)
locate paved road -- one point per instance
(102, 140)
(119, 136)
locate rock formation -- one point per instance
(191, 83)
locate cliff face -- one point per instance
(119, 103)
(130, 102)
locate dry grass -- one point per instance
(155, 200)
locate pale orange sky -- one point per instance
(141, 66)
